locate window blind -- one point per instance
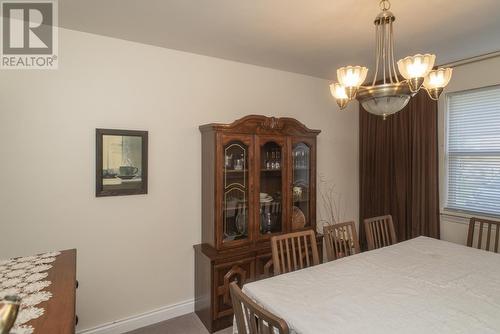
(473, 151)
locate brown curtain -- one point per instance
(399, 168)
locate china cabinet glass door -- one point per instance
(301, 186)
(271, 180)
(235, 210)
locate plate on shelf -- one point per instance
(298, 218)
(265, 198)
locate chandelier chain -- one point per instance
(385, 5)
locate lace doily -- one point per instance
(35, 287)
(25, 277)
(39, 268)
(36, 298)
(35, 277)
(23, 329)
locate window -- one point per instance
(473, 151)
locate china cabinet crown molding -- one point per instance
(258, 124)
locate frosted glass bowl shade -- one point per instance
(384, 100)
(386, 105)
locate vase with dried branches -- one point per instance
(331, 211)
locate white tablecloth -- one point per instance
(418, 286)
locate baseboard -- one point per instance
(142, 320)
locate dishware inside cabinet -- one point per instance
(271, 181)
(302, 182)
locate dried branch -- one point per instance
(331, 201)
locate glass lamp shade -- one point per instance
(417, 66)
(438, 78)
(352, 76)
(339, 93)
(385, 105)
(435, 82)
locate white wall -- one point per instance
(470, 76)
(135, 252)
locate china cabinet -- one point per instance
(258, 180)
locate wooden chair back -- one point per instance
(380, 232)
(253, 319)
(485, 227)
(293, 251)
(340, 240)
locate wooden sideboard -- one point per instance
(59, 316)
(258, 180)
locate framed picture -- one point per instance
(121, 162)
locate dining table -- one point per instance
(422, 285)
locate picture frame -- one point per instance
(121, 162)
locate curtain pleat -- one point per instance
(399, 172)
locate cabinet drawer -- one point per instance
(224, 274)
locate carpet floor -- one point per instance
(186, 324)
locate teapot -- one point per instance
(9, 307)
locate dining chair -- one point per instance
(341, 240)
(293, 251)
(380, 232)
(489, 225)
(253, 319)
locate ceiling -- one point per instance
(311, 37)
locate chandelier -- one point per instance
(390, 94)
